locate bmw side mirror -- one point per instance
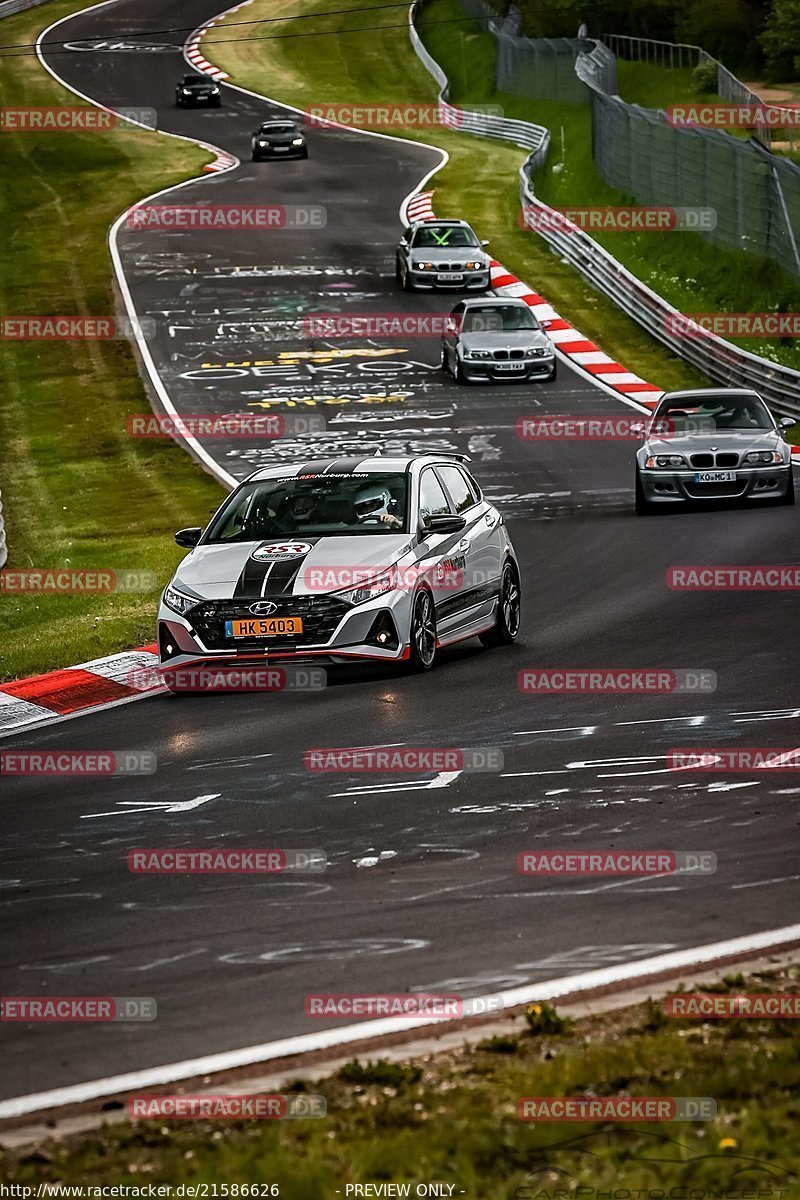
(188, 537)
(545, 322)
(484, 241)
(446, 523)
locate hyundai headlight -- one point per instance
(263, 143)
(665, 460)
(763, 456)
(377, 585)
(177, 601)
(186, 91)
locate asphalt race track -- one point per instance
(422, 891)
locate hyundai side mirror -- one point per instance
(787, 422)
(189, 537)
(444, 523)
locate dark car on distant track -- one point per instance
(197, 89)
(278, 138)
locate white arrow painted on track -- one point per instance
(166, 806)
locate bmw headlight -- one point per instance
(423, 266)
(186, 91)
(665, 460)
(263, 143)
(297, 141)
(474, 266)
(477, 354)
(177, 601)
(215, 90)
(763, 456)
(537, 352)
(377, 585)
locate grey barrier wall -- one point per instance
(718, 359)
(9, 7)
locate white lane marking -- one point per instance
(735, 887)
(550, 989)
(58, 967)
(163, 962)
(134, 807)
(372, 859)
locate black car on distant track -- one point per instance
(278, 138)
(197, 89)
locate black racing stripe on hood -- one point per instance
(279, 574)
(346, 466)
(315, 467)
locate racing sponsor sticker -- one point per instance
(275, 551)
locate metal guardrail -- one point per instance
(3, 546)
(463, 120)
(9, 7)
(720, 360)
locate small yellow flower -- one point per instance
(535, 1008)
(727, 1144)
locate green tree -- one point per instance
(781, 40)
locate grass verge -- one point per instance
(452, 1118)
(480, 180)
(77, 491)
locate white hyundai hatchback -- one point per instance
(382, 559)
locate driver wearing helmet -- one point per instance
(375, 503)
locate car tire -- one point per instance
(506, 630)
(398, 274)
(459, 374)
(405, 280)
(443, 363)
(643, 505)
(304, 154)
(554, 373)
(422, 633)
(788, 497)
(217, 102)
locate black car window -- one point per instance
(459, 489)
(432, 500)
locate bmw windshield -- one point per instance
(497, 318)
(321, 505)
(443, 237)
